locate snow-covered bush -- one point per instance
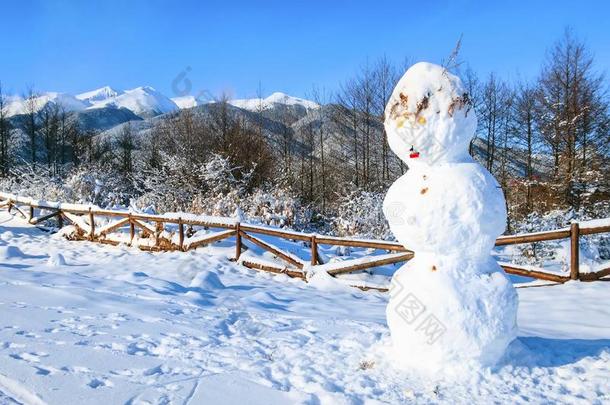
(214, 188)
(593, 248)
(25, 181)
(96, 185)
(278, 207)
(359, 213)
(103, 187)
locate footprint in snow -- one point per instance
(45, 370)
(75, 369)
(33, 357)
(99, 382)
(27, 334)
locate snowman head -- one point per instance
(429, 118)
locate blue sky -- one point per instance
(232, 46)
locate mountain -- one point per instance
(260, 104)
(275, 122)
(101, 119)
(18, 105)
(185, 101)
(98, 95)
(144, 101)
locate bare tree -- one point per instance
(347, 115)
(385, 78)
(5, 132)
(473, 87)
(49, 129)
(30, 104)
(526, 133)
(493, 107)
(573, 113)
(126, 144)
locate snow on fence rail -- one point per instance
(169, 232)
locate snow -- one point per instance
(449, 210)
(98, 95)
(185, 101)
(595, 223)
(256, 104)
(428, 111)
(335, 265)
(141, 100)
(200, 237)
(144, 101)
(519, 235)
(17, 105)
(210, 219)
(117, 325)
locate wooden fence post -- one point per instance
(132, 230)
(60, 220)
(31, 214)
(574, 251)
(180, 234)
(314, 250)
(237, 242)
(158, 230)
(91, 224)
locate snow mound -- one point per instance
(56, 259)
(7, 235)
(234, 388)
(207, 280)
(323, 281)
(10, 252)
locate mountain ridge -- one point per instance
(143, 101)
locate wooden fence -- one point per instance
(176, 232)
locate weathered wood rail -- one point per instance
(175, 232)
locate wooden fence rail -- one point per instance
(150, 232)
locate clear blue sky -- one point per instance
(74, 46)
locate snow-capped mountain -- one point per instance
(98, 95)
(253, 104)
(143, 101)
(256, 104)
(146, 102)
(185, 101)
(18, 105)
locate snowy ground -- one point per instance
(116, 325)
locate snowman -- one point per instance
(451, 306)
